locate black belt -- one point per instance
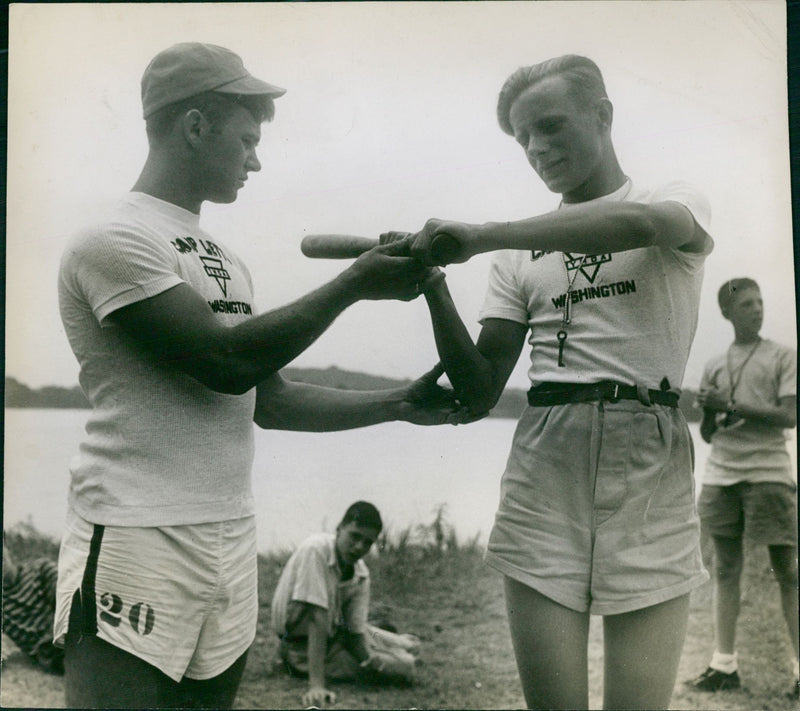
(548, 394)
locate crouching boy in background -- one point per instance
(320, 609)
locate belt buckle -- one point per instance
(614, 397)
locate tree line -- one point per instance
(511, 403)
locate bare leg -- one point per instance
(728, 563)
(642, 651)
(99, 675)
(219, 692)
(550, 645)
(784, 563)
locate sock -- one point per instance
(726, 663)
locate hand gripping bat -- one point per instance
(329, 246)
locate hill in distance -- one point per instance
(511, 403)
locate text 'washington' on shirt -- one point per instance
(633, 313)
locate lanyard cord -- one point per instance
(566, 317)
(736, 377)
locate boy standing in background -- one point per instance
(749, 396)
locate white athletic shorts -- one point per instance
(597, 507)
(182, 598)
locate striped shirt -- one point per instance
(28, 609)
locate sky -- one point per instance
(388, 120)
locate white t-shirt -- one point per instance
(747, 450)
(160, 448)
(633, 313)
(312, 575)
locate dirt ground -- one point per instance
(466, 660)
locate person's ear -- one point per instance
(194, 125)
(604, 110)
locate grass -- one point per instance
(429, 583)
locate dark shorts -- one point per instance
(764, 512)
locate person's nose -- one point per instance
(252, 163)
(537, 146)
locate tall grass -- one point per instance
(24, 542)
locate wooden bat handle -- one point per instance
(444, 247)
(335, 246)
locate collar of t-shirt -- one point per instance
(162, 207)
(617, 196)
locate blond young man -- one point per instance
(597, 513)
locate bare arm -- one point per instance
(359, 647)
(286, 405)
(479, 371)
(585, 229)
(317, 694)
(179, 328)
(783, 414)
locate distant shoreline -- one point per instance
(511, 404)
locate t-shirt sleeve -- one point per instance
(111, 268)
(504, 299)
(697, 203)
(787, 374)
(309, 583)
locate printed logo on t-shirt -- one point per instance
(588, 264)
(539, 253)
(212, 259)
(217, 272)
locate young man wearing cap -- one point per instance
(597, 512)
(749, 397)
(157, 572)
(320, 609)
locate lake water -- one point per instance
(302, 482)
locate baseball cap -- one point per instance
(191, 68)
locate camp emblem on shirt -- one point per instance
(588, 264)
(212, 260)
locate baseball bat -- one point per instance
(331, 246)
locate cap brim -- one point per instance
(251, 86)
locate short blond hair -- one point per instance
(583, 75)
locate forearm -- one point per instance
(359, 647)
(773, 416)
(589, 229)
(317, 649)
(470, 374)
(249, 352)
(303, 407)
